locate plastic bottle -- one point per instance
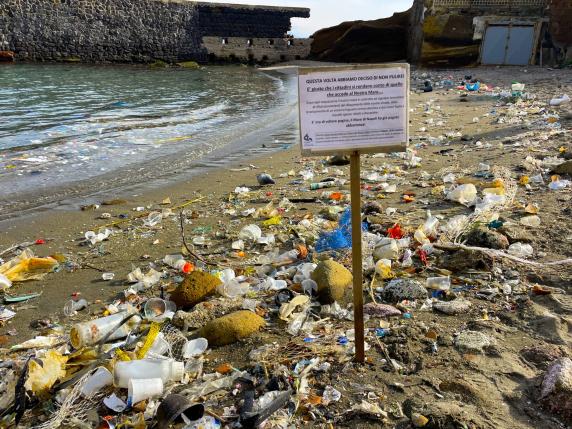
(178, 262)
(322, 185)
(167, 370)
(439, 283)
(287, 257)
(91, 332)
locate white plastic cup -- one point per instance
(97, 381)
(140, 389)
(160, 346)
(195, 347)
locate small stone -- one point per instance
(419, 420)
(339, 160)
(472, 342)
(456, 306)
(399, 289)
(333, 279)
(556, 389)
(445, 340)
(484, 237)
(516, 233)
(541, 356)
(232, 327)
(381, 310)
(564, 168)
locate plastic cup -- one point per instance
(143, 388)
(160, 346)
(195, 347)
(97, 381)
(72, 306)
(158, 309)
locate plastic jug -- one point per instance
(167, 370)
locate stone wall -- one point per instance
(130, 30)
(261, 50)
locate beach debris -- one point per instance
(196, 286)
(333, 279)
(232, 327)
(265, 179)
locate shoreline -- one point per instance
(240, 140)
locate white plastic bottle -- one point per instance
(167, 370)
(91, 332)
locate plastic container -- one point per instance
(195, 347)
(558, 101)
(91, 332)
(322, 185)
(107, 276)
(168, 370)
(159, 347)
(250, 232)
(439, 283)
(157, 309)
(72, 306)
(532, 221)
(463, 194)
(521, 250)
(143, 388)
(386, 248)
(97, 381)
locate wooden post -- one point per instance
(355, 184)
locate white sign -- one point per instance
(349, 108)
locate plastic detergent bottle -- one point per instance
(167, 370)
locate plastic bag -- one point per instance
(463, 194)
(26, 266)
(41, 377)
(340, 238)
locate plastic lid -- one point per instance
(177, 371)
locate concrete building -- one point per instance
(456, 33)
(494, 32)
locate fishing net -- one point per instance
(76, 406)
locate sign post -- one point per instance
(351, 110)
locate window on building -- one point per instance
(290, 42)
(249, 42)
(225, 41)
(271, 42)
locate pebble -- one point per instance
(400, 289)
(456, 306)
(472, 341)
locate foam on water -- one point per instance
(64, 123)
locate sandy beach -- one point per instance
(204, 189)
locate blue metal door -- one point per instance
(520, 43)
(494, 45)
(509, 45)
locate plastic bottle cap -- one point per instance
(177, 371)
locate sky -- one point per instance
(327, 13)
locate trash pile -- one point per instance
(250, 324)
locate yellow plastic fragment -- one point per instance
(26, 266)
(151, 336)
(274, 220)
(121, 355)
